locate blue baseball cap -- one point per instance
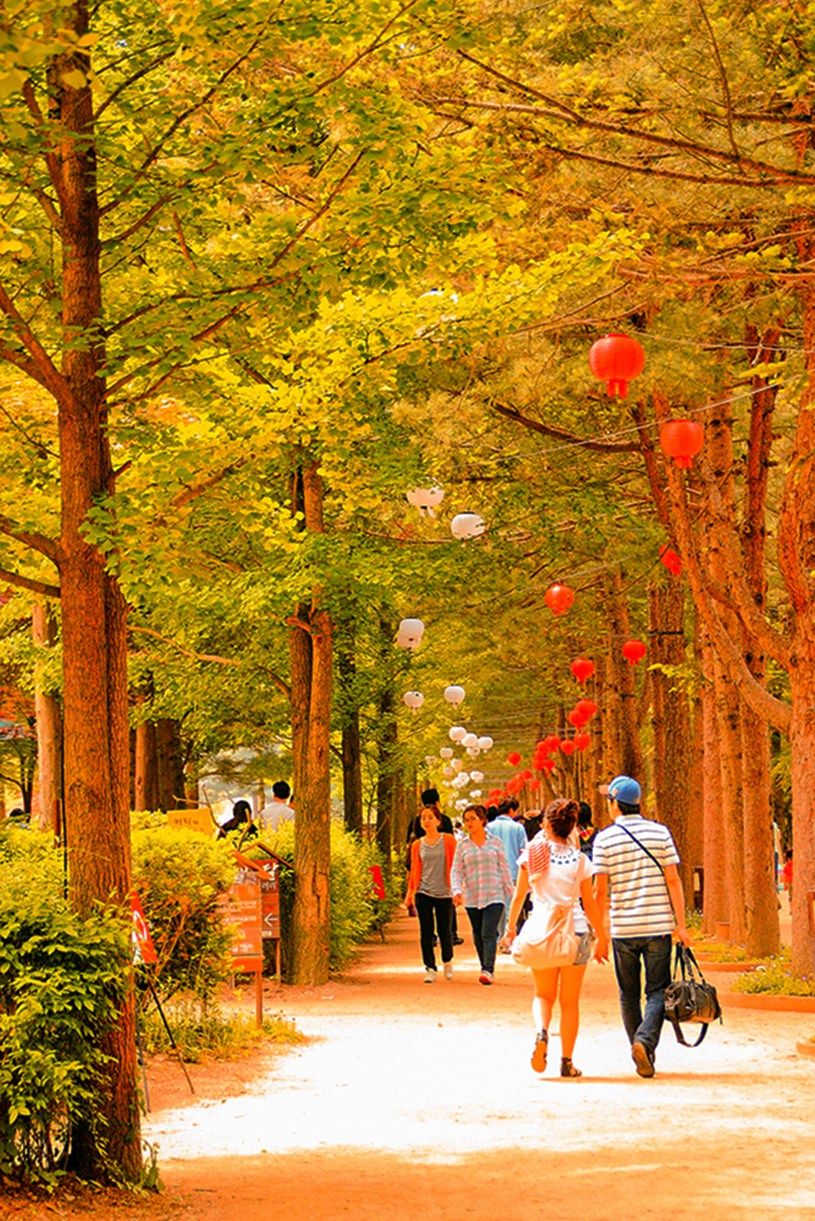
(623, 788)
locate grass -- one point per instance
(213, 1034)
(775, 979)
(720, 951)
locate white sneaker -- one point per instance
(429, 976)
(448, 970)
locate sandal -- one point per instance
(538, 1060)
(567, 1069)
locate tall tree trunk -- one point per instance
(145, 782)
(671, 718)
(351, 741)
(622, 677)
(169, 768)
(716, 908)
(48, 718)
(94, 614)
(386, 773)
(311, 655)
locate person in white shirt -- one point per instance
(635, 866)
(278, 809)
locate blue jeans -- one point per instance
(655, 954)
(484, 921)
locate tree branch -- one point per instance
(34, 587)
(48, 375)
(140, 223)
(728, 103)
(30, 538)
(561, 434)
(198, 489)
(182, 649)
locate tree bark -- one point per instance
(673, 759)
(94, 614)
(48, 719)
(716, 907)
(351, 742)
(386, 771)
(169, 767)
(622, 677)
(311, 655)
(145, 784)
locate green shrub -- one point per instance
(180, 876)
(775, 979)
(354, 913)
(214, 1034)
(62, 980)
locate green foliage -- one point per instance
(353, 912)
(180, 877)
(775, 979)
(62, 980)
(213, 1033)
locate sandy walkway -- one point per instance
(418, 1099)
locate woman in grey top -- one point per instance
(431, 859)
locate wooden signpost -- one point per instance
(241, 908)
(197, 819)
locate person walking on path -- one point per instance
(431, 861)
(279, 809)
(635, 864)
(482, 884)
(513, 841)
(558, 874)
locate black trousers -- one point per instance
(428, 909)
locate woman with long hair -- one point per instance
(431, 860)
(482, 884)
(558, 874)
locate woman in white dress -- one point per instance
(558, 873)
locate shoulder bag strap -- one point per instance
(631, 835)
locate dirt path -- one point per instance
(418, 1099)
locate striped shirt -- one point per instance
(481, 874)
(640, 903)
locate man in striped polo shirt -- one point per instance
(635, 868)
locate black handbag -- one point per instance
(691, 998)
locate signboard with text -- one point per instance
(241, 908)
(191, 820)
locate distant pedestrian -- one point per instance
(429, 889)
(430, 798)
(635, 863)
(279, 809)
(586, 830)
(786, 873)
(239, 820)
(558, 875)
(482, 884)
(513, 840)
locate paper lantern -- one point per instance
(582, 669)
(475, 792)
(548, 766)
(463, 778)
(587, 707)
(485, 742)
(454, 695)
(514, 758)
(446, 752)
(671, 560)
(577, 717)
(535, 786)
(457, 733)
(462, 803)
(526, 774)
(473, 752)
(427, 500)
(457, 765)
(550, 744)
(559, 598)
(467, 525)
(617, 359)
(413, 700)
(568, 746)
(477, 776)
(448, 772)
(682, 440)
(634, 651)
(582, 740)
(470, 740)
(410, 633)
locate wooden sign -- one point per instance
(191, 820)
(240, 908)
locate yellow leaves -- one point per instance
(73, 79)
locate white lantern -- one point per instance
(475, 792)
(429, 760)
(462, 803)
(473, 752)
(454, 695)
(470, 740)
(413, 699)
(448, 772)
(426, 500)
(477, 776)
(485, 743)
(446, 752)
(457, 765)
(457, 733)
(464, 777)
(467, 525)
(410, 633)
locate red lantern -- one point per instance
(587, 708)
(582, 669)
(548, 766)
(671, 560)
(682, 440)
(514, 758)
(617, 359)
(568, 746)
(582, 740)
(559, 598)
(526, 774)
(577, 717)
(634, 651)
(535, 786)
(551, 744)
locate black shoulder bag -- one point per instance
(691, 998)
